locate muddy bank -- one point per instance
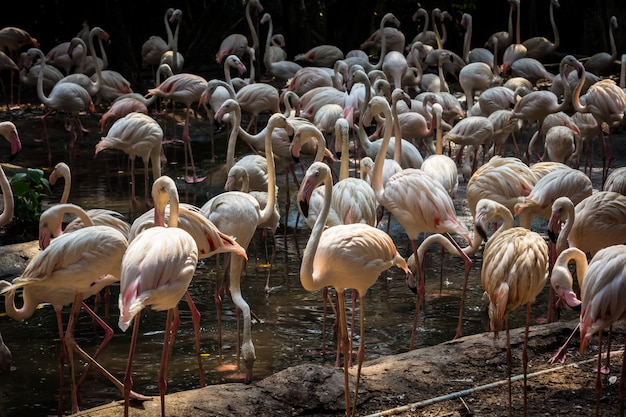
(405, 381)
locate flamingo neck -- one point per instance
(26, 311)
(306, 268)
(377, 175)
(555, 31)
(232, 138)
(268, 210)
(7, 196)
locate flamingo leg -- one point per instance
(344, 346)
(560, 354)
(128, 378)
(195, 318)
(61, 360)
(599, 375)
(108, 335)
(525, 358)
(622, 385)
(188, 150)
(69, 343)
(509, 360)
(361, 353)
(171, 328)
(420, 294)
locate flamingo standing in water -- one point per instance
(67, 97)
(136, 134)
(187, 89)
(419, 203)
(73, 267)
(359, 253)
(156, 271)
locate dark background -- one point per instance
(583, 25)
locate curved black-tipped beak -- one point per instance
(553, 236)
(304, 207)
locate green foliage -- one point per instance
(28, 190)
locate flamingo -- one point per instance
(602, 63)
(561, 144)
(238, 214)
(425, 36)
(273, 52)
(538, 46)
(471, 131)
(320, 56)
(606, 101)
(595, 223)
(477, 76)
(217, 92)
(67, 97)
(8, 130)
(237, 43)
(172, 57)
(503, 180)
(558, 119)
(441, 167)
(616, 181)
(476, 54)
(136, 134)
(153, 49)
(505, 38)
(187, 89)
(92, 87)
(419, 203)
(601, 292)
(156, 271)
(73, 267)
(536, 105)
(7, 197)
(515, 270)
(360, 254)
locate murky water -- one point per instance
(288, 326)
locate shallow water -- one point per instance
(288, 325)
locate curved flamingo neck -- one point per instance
(435, 14)
(383, 42)
(468, 37)
(377, 175)
(232, 138)
(306, 267)
(168, 30)
(564, 259)
(268, 42)
(344, 168)
(397, 144)
(26, 311)
(253, 33)
(507, 219)
(7, 196)
(561, 242)
(268, 210)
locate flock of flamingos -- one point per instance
(417, 120)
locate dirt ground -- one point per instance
(464, 377)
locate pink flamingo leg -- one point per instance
(195, 318)
(171, 328)
(187, 142)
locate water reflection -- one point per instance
(288, 328)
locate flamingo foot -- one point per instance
(236, 377)
(604, 370)
(139, 397)
(193, 179)
(226, 368)
(559, 356)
